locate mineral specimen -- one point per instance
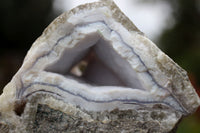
(126, 85)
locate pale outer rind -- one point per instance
(159, 64)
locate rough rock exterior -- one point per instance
(128, 85)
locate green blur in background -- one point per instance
(182, 43)
(22, 21)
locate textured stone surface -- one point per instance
(126, 85)
(39, 117)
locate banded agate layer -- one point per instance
(124, 70)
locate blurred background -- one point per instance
(174, 25)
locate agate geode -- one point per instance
(126, 85)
